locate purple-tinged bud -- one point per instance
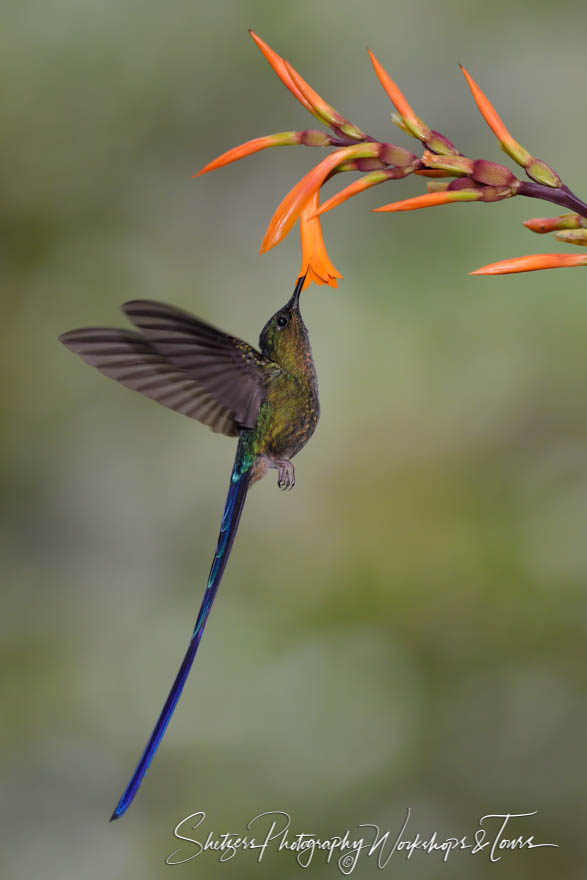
(492, 173)
(394, 155)
(369, 164)
(360, 165)
(542, 173)
(440, 144)
(573, 236)
(464, 183)
(486, 193)
(497, 193)
(453, 165)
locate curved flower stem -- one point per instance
(559, 196)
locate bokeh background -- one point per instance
(406, 628)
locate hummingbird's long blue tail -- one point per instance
(235, 500)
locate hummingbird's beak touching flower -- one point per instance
(532, 263)
(294, 301)
(316, 265)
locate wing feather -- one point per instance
(131, 359)
(231, 371)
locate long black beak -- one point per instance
(294, 302)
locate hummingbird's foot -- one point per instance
(286, 475)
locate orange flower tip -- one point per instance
(431, 199)
(319, 106)
(518, 153)
(411, 122)
(532, 263)
(281, 139)
(298, 197)
(279, 67)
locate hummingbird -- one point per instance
(268, 398)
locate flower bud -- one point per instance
(441, 144)
(453, 165)
(573, 236)
(492, 173)
(551, 224)
(542, 173)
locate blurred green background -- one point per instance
(406, 628)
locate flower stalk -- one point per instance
(469, 180)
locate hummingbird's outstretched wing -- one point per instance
(230, 370)
(129, 358)
(181, 362)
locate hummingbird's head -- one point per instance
(284, 338)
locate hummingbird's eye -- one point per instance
(282, 321)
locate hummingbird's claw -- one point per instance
(286, 475)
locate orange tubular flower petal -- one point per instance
(315, 260)
(431, 199)
(279, 66)
(532, 263)
(292, 205)
(358, 186)
(416, 127)
(319, 106)
(489, 114)
(283, 139)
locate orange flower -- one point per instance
(316, 263)
(358, 186)
(415, 126)
(319, 106)
(297, 198)
(282, 139)
(279, 66)
(532, 263)
(430, 199)
(491, 117)
(305, 94)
